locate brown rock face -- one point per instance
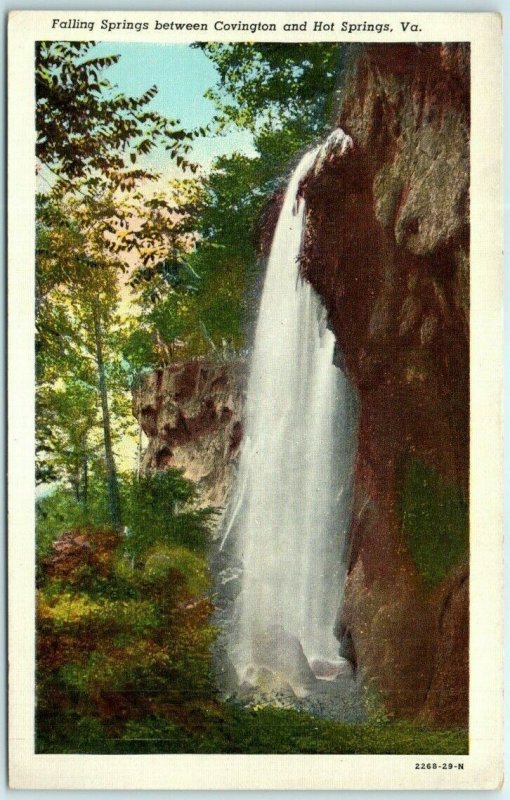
(191, 414)
(387, 248)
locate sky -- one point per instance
(182, 75)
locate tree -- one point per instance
(91, 143)
(78, 331)
(83, 246)
(111, 470)
(283, 94)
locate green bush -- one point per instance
(56, 512)
(68, 611)
(164, 561)
(156, 508)
(159, 510)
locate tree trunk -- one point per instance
(85, 484)
(111, 472)
(75, 483)
(139, 449)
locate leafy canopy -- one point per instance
(274, 85)
(86, 128)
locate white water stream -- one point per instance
(292, 503)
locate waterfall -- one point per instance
(291, 507)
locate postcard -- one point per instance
(255, 384)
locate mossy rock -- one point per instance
(165, 561)
(435, 521)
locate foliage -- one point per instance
(75, 612)
(55, 512)
(59, 510)
(86, 128)
(435, 522)
(197, 302)
(120, 638)
(79, 258)
(124, 663)
(271, 730)
(163, 561)
(65, 418)
(265, 84)
(195, 243)
(138, 353)
(159, 511)
(225, 258)
(77, 328)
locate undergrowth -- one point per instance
(124, 639)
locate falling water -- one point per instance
(291, 507)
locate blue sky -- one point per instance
(182, 75)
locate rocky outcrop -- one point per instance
(191, 414)
(387, 248)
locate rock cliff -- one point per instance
(387, 249)
(192, 416)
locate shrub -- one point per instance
(159, 510)
(163, 562)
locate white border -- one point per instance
(483, 767)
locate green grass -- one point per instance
(435, 521)
(268, 730)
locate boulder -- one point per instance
(282, 653)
